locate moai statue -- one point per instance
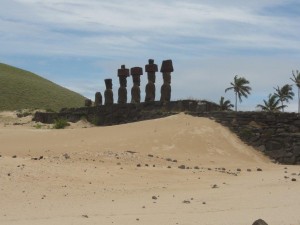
(87, 102)
(98, 99)
(136, 73)
(108, 94)
(123, 73)
(166, 69)
(151, 69)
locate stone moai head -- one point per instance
(167, 69)
(136, 73)
(108, 83)
(123, 73)
(88, 102)
(151, 69)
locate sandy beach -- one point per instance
(176, 170)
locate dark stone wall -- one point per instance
(277, 135)
(105, 115)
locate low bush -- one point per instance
(60, 124)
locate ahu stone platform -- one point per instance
(114, 114)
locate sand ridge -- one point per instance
(133, 174)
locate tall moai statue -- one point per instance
(98, 99)
(123, 73)
(151, 69)
(136, 73)
(108, 94)
(166, 70)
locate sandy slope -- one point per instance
(109, 175)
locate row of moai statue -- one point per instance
(136, 72)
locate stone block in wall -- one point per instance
(293, 129)
(274, 145)
(296, 150)
(289, 160)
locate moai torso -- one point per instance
(98, 99)
(136, 73)
(123, 73)
(166, 69)
(151, 69)
(108, 94)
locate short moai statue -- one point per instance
(87, 102)
(136, 73)
(123, 73)
(166, 70)
(98, 99)
(108, 94)
(151, 69)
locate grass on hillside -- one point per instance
(20, 89)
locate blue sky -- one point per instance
(79, 43)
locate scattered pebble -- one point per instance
(294, 179)
(204, 203)
(215, 186)
(150, 155)
(238, 169)
(259, 169)
(196, 168)
(154, 197)
(66, 155)
(85, 216)
(138, 165)
(14, 156)
(249, 170)
(181, 167)
(175, 160)
(186, 202)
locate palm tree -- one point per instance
(225, 105)
(296, 80)
(284, 94)
(272, 104)
(240, 88)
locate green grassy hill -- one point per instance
(20, 89)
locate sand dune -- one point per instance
(128, 174)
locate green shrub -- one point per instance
(38, 126)
(60, 124)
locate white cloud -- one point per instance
(210, 41)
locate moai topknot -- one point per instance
(123, 73)
(98, 99)
(166, 69)
(136, 72)
(151, 69)
(108, 94)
